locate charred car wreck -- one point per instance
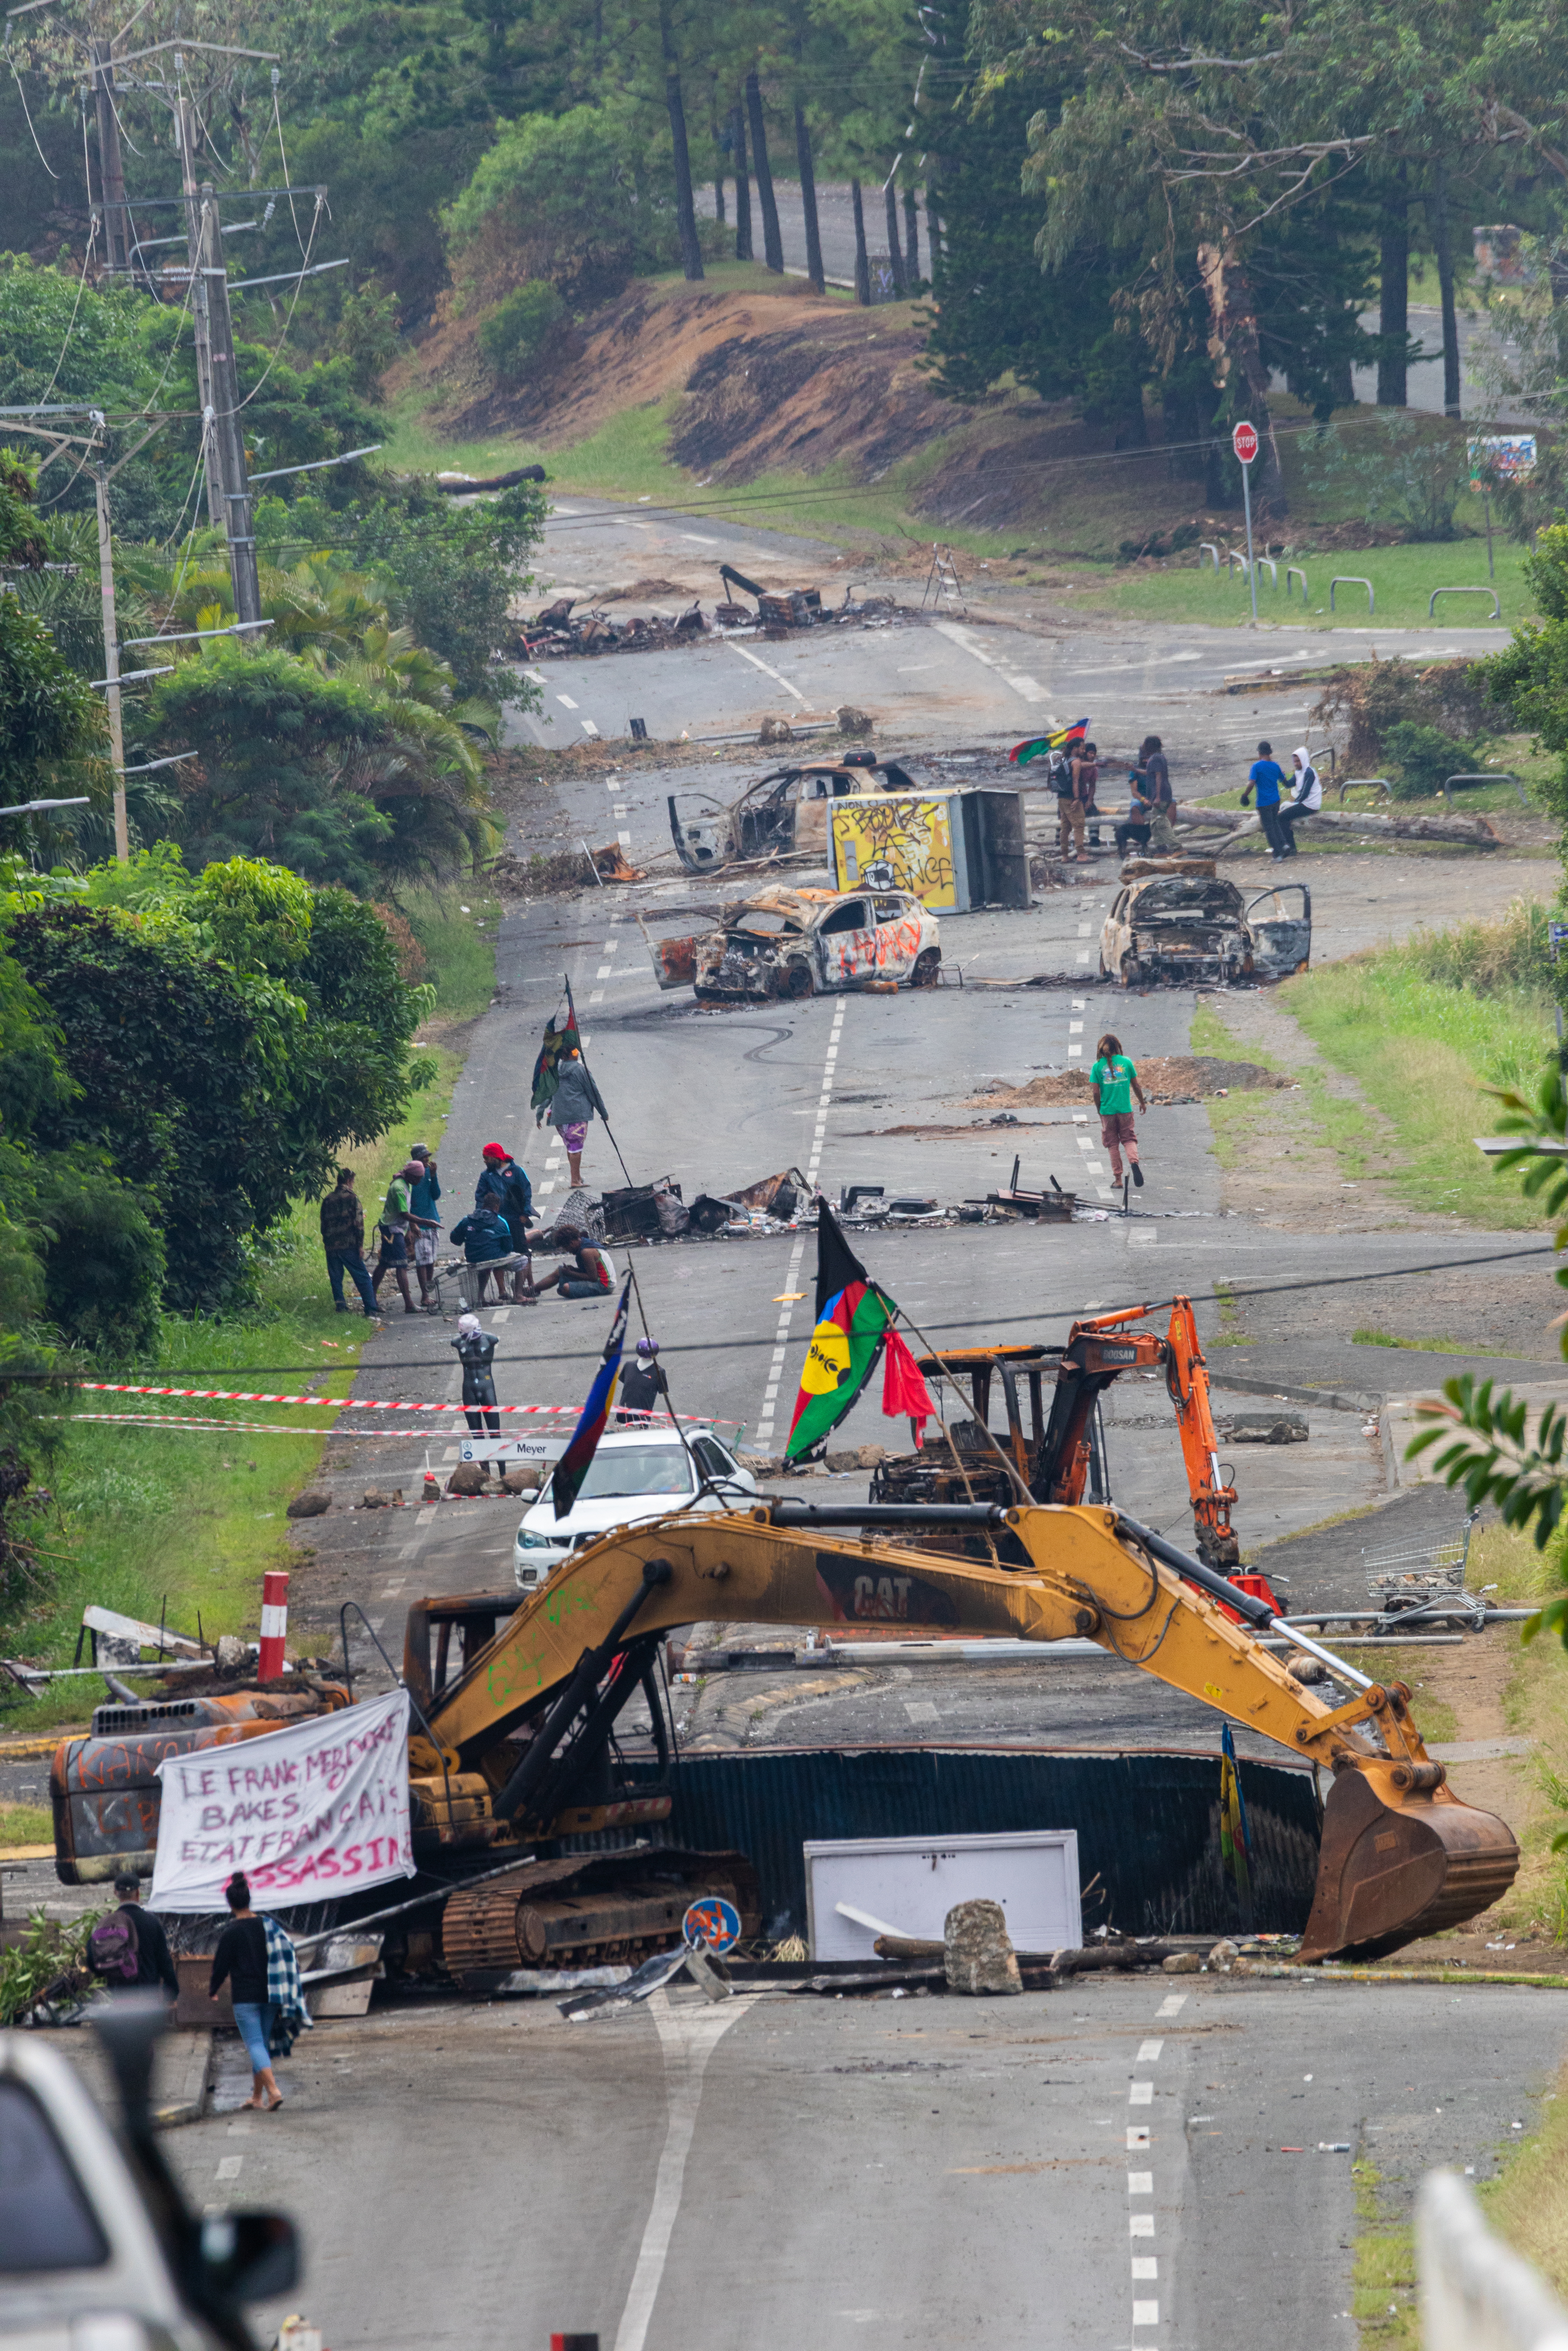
(804, 943)
(1183, 927)
(784, 813)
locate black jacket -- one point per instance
(509, 1180)
(153, 1964)
(241, 1958)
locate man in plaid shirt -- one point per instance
(343, 1238)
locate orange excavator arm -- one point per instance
(1098, 1350)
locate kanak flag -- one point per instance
(1036, 747)
(852, 1322)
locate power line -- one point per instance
(990, 1322)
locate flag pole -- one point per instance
(1010, 1467)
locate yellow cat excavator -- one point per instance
(516, 1701)
(1401, 1856)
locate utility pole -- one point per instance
(110, 170)
(112, 661)
(228, 432)
(184, 133)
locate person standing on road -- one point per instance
(1073, 802)
(392, 1256)
(510, 1183)
(1150, 817)
(571, 1108)
(1086, 781)
(425, 1223)
(343, 1240)
(1306, 798)
(240, 1961)
(475, 1351)
(1114, 1082)
(1265, 776)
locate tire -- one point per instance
(1131, 972)
(798, 980)
(927, 967)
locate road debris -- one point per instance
(978, 1953)
(1179, 926)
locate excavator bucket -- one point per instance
(1399, 1862)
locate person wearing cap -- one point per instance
(502, 1176)
(153, 1964)
(475, 1348)
(643, 1383)
(395, 1232)
(344, 1240)
(425, 1223)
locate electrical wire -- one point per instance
(277, 125)
(992, 1322)
(86, 264)
(287, 323)
(25, 114)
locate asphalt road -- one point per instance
(1157, 2161)
(935, 679)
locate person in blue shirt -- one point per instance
(1265, 776)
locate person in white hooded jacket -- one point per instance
(1306, 796)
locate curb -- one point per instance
(1331, 1399)
(194, 2081)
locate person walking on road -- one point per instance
(475, 1351)
(503, 1177)
(1265, 776)
(1114, 1082)
(571, 1108)
(1306, 798)
(423, 1222)
(240, 1961)
(129, 1947)
(343, 1240)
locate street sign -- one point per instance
(712, 1925)
(1244, 440)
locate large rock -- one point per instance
(977, 1951)
(468, 1478)
(1182, 1963)
(524, 1477)
(309, 1504)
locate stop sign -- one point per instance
(1244, 440)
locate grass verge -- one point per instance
(1426, 1053)
(1402, 580)
(178, 1524)
(1382, 2276)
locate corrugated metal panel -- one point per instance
(1148, 1824)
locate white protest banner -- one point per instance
(312, 1810)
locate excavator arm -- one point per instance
(1099, 1351)
(1401, 1855)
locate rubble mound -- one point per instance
(1165, 1078)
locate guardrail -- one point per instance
(1476, 2294)
(1234, 562)
(1294, 571)
(1354, 783)
(1273, 568)
(1207, 546)
(1497, 776)
(1496, 607)
(1352, 579)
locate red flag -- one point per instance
(905, 1394)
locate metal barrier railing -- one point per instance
(1352, 579)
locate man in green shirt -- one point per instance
(1114, 1082)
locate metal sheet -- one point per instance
(1147, 1823)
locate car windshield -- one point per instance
(636, 1470)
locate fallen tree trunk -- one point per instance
(1470, 831)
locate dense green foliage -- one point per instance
(1531, 675)
(52, 730)
(521, 329)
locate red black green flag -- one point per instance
(1035, 746)
(852, 1319)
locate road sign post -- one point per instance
(1244, 440)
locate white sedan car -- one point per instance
(636, 1475)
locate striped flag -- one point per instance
(1036, 747)
(572, 1468)
(853, 1322)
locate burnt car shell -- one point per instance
(784, 811)
(1196, 927)
(805, 942)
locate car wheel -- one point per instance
(1132, 971)
(798, 980)
(927, 967)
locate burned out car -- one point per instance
(805, 943)
(783, 812)
(1192, 927)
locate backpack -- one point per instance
(1061, 773)
(112, 1949)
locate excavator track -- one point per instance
(588, 1910)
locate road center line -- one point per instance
(687, 2042)
(768, 671)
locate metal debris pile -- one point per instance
(568, 626)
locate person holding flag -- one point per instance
(1063, 743)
